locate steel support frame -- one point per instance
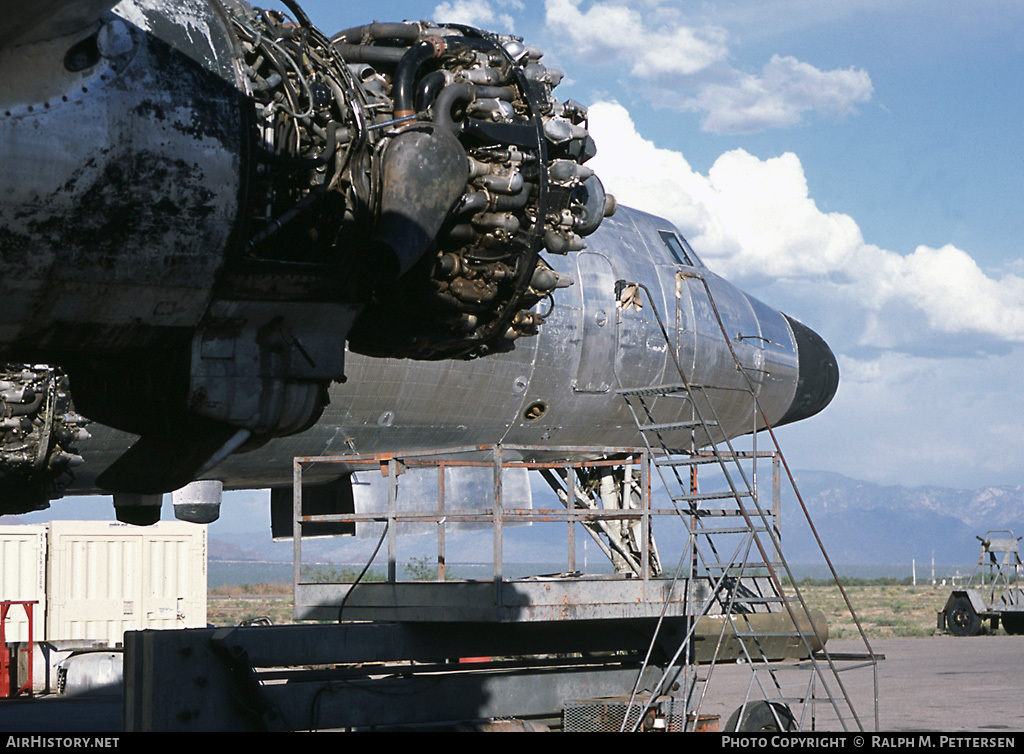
(364, 675)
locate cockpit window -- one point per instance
(678, 248)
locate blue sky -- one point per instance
(858, 165)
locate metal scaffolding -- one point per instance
(695, 612)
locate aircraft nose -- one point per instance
(818, 377)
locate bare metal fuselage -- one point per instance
(568, 374)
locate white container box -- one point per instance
(105, 578)
(23, 577)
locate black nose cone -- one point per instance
(819, 375)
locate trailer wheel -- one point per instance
(1013, 623)
(761, 716)
(961, 618)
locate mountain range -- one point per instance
(858, 522)
(862, 522)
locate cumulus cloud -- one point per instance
(785, 91)
(477, 13)
(671, 57)
(901, 420)
(754, 220)
(611, 33)
(950, 286)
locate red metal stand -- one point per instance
(5, 657)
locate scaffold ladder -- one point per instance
(758, 549)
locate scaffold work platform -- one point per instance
(692, 589)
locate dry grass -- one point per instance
(884, 611)
(234, 590)
(230, 605)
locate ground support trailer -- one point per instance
(993, 592)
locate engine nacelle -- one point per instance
(230, 196)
